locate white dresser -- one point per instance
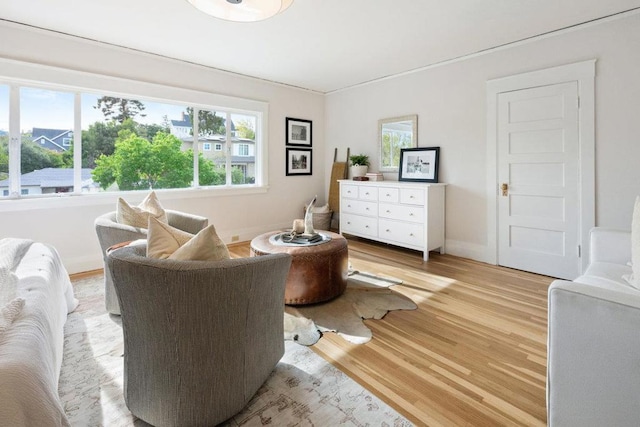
(410, 215)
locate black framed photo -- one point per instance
(298, 161)
(298, 132)
(419, 164)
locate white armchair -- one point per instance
(593, 360)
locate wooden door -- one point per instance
(538, 177)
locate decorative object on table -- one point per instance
(298, 161)
(359, 165)
(368, 296)
(361, 178)
(419, 164)
(321, 216)
(299, 132)
(374, 176)
(395, 134)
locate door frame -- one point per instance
(584, 73)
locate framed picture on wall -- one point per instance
(298, 132)
(298, 161)
(419, 164)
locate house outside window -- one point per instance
(97, 173)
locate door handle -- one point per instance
(505, 189)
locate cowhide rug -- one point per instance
(367, 297)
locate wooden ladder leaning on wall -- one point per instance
(339, 170)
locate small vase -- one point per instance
(359, 171)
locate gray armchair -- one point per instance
(200, 337)
(111, 233)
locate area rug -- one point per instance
(367, 296)
(303, 390)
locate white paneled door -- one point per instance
(538, 179)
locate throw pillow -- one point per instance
(166, 242)
(9, 312)
(163, 239)
(138, 216)
(634, 280)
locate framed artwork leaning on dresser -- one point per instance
(419, 164)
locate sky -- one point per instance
(54, 110)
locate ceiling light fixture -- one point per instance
(241, 10)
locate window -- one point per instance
(243, 150)
(4, 140)
(127, 142)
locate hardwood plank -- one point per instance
(473, 353)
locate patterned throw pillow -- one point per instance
(138, 216)
(166, 242)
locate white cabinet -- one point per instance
(410, 215)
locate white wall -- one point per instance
(68, 223)
(450, 101)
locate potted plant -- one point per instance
(359, 165)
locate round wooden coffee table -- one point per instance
(318, 272)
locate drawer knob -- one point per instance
(411, 234)
(387, 230)
(388, 195)
(366, 194)
(348, 206)
(411, 197)
(388, 211)
(349, 222)
(366, 226)
(411, 214)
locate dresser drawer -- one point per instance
(401, 212)
(412, 196)
(350, 191)
(389, 195)
(401, 232)
(365, 226)
(359, 207)
(368, 193)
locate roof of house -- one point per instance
(50, 177)
(48, 133)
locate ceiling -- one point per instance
(320, 45)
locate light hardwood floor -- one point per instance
(472, 354)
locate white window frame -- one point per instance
(240, 149)
(206, 146)
(218, 146)
(18, 73)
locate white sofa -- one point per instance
(593, 364)
(31, 342)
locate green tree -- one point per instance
(244, 129)
(33, 157)
(101, 138)
(120, 109)
(4, 157)
(138, 163)
(208, 122)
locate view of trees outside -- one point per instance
(127, 144)
(392, 141)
